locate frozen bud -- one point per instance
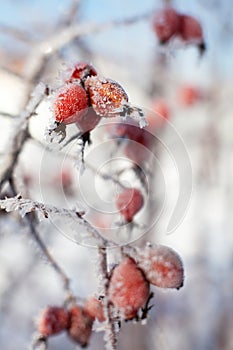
(52, 320)
(128, 288)
(162, 266)
(80, 325)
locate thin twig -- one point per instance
(19, 138)
(110, 332)
(31, 221)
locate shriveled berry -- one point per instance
(190, 29)
(162, 266)
(80, 325)
(128, 288)
(107, 96)
(129, 202)
(166, 24)
(52, 320)
(94, 308)
(81, 71)
(70, 103)
(88, 121)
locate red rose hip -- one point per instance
(94, 308)
(107, 96)
(81, 71)
(190, 29)
(52, 320)
(162, 266)
(129, 202)
(80, 325)
(128, 288)
(70, 103)
(166, 24)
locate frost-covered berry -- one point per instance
(128, 289)
(162, 266)
(70, 103)
(166, 24)
(190, 29)
(107, 96)
(80, 325)
(81, 71)
(94, 308)
(88, 121)
(52, 320)
(129, 202)
(136, 142)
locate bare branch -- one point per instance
(16, 33)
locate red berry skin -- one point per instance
(128, 289)
(162, 266)
(166, 24)
(80, 325)
(94, 308)
(190, 29)
(88, 121)
(107, 96)
(129, 202)
(81, 71)
(52, 320)
(70, 103)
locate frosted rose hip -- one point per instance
(190, 29)
(70, 103)
(80, 325)
(162, 266)
(128, 288)
(107, 96)
(94, 308)
(88, 121)
(129, 202)
(166, 24)
(81, 71)
(52, 320)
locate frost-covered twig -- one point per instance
(110, 330)
(25, 206)
(7, 115)
(20, 134)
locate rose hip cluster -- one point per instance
(76, 320)
(128, 291)
(85, 97)
(168, 23)
(129, 286)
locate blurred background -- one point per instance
(197, 93)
